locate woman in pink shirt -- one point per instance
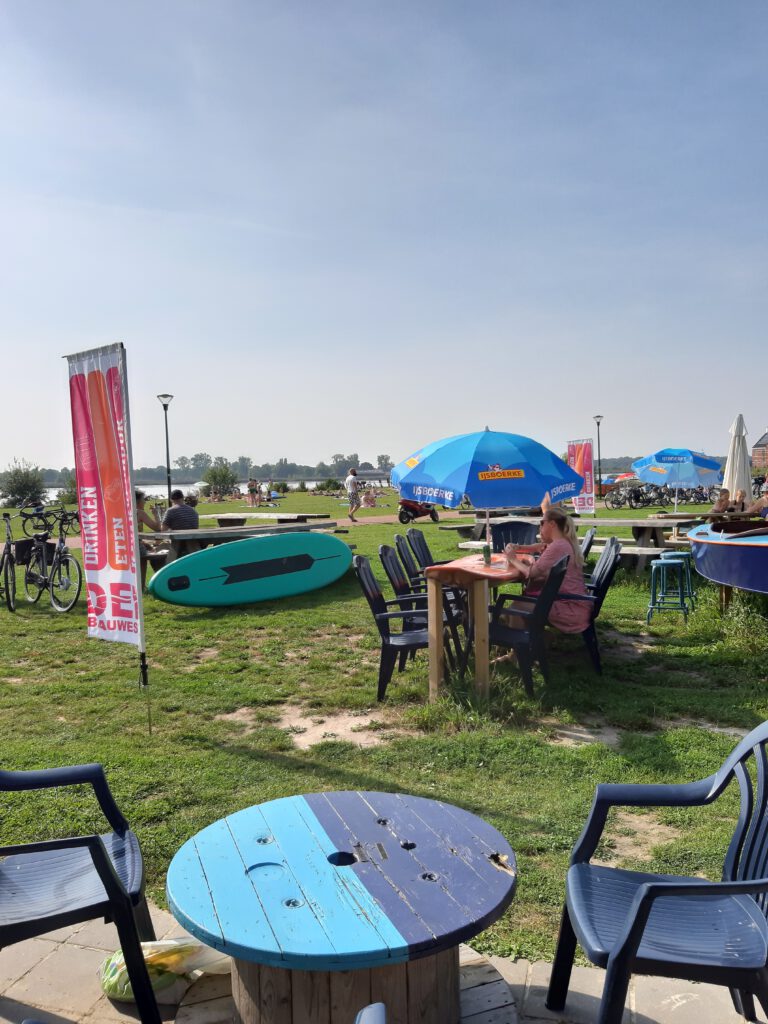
(558, 535)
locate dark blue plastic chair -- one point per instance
(601, 580)
(376, 1013)
(512, 533)
(60, 882)
(395, 647)
(420, 549)
(674, 926)
(528, 642)
(414, 597)
(412, 570)
(587, 540)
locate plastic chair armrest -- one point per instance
(607, 795)
(629, 939)
(72, 775)
(417, 614)
(576, 597)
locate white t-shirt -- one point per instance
(351, 484)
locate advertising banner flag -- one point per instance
(580, 459)
(108, 525)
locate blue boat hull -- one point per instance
(731, 559)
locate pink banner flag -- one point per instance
(580, 459)
(101, 433)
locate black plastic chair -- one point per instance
(61, 882)
(674, 926)
(587, 541)
(415, 597)
(528, 642)
(412, 570)
(420, 549)
(394, 646)
(512, 533)
(606, 556)
(601, 580)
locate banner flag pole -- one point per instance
(101, 430)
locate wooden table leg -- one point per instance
(424, 991)
(435, 628)
(478, 612)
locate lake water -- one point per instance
(161, 490)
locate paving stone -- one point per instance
(210, 986)
(214, 1011)
(105, 1011)
(97, 935)
(514, 972)
(16, 960)
(658, 1000)
(166, 925)
(13, 1012)
(583, 1000)
(66, 981)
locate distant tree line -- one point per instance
(22, 481)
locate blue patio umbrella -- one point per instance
(678, 467)
(492, 468)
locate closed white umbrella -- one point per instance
(737, 474)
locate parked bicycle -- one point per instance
(8, 566)
(62, 576)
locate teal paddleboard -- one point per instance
(256, 569)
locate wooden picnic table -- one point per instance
(222, 535)
(331, 901)
(472, 575)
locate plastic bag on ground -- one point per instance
(173, 964)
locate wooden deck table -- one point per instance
(331, 901)
(472, 575)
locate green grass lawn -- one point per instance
(67, 699)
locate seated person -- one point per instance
(145, 519)
(558, 535)
(760, 507)
(369, 498)
(739, 503)
(181, 516)
(723, 501)
(191, 499)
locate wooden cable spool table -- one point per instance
(331, 901)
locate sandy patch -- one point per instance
(578, 735)
(633, 836)
(308, 730)
(243, 716)
(201, 656)
(631, 647)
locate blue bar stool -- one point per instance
(687, 558)
(668, 587)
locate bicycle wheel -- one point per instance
(65, 582)
(9, 581)
(35, 580)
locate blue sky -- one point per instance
(358, 226)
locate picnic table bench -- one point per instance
(222, 535)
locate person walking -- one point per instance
(353, 493)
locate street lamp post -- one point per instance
(165, 401)
(598, 420)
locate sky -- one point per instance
(356, 226)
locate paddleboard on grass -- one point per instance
(256, 569)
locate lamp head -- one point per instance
(165, 400)
(598, 420)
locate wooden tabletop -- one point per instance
(335, 881)
(472, 567)
(277, 514)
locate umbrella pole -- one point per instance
(488, 528)
(676, 493)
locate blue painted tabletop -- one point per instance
(333, 881)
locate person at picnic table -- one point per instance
(144, 519)
(739, 503)
(180, 516)
(723, 501)
(353, 493)
(760, 507)
(558, 539)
